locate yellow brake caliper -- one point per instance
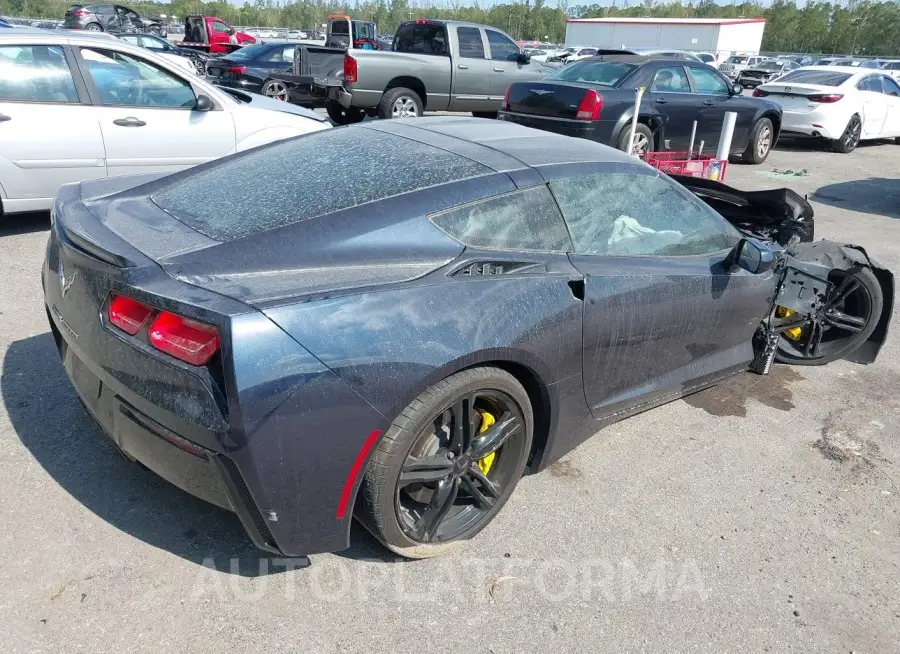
(486, 421)
(794, 332)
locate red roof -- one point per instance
(669, 21)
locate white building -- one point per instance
(723, 36)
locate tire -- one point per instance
(850, 138)
(277, 90)
(382, 508)
(761, 138)
(400, 103)
(485, 114)
(870, 294)
(93, 27)
(643, 139)
(341, 116)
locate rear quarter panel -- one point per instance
(377, 69)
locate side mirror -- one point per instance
(204, 103)
(753, 256)
(737, 89)
(523, 58)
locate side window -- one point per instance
(470, 43)
(503, 48)
(870, 83)
(35, 73)
(125, 80)
(623, 214)
(220, 27)
(708, 82)
(421, 39)
(133, 39)
(280, 55)
(154, 44)
(670, 79)
(890, 86)
(524, 220)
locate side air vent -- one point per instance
(492, 268)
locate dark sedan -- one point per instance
(249, 67)
(402, 347)
(594, 99)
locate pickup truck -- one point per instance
(213, 35)
(434, 64)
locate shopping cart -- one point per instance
(688, 163)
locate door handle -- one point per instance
(707, 103)
(462, 67)
(131, 121)
(498, 70)
(4, 118)
(661, 101)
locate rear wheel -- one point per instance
(850, 138)
(277, 90)
(643, 140)
(448, 463)
(849, 317)
(342, 116)
(93, 27)
(761, 139)
(400, 103)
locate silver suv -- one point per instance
(736, 63)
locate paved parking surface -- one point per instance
(760, 515)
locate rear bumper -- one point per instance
(601, 131)
(812, 123)
(197, 470)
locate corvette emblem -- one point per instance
(66, 284)
(540, 91)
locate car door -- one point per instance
(875, 106)
(506, 68)
(664, 311)
(146, 115)
(671, 97)
(49, 132)
(472, 76)
(713, 98)
(892, 122)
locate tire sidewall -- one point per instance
(838, 145)
(386, 106)
(752, 154)
(393, 535)
(626, 134)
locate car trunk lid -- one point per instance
(796, 97)
(547, 99)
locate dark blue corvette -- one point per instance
(301, 339)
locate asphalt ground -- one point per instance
(760, 515)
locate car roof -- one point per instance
(499, 145)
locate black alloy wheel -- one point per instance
(448, 463)
(848, 317)
(850, 138)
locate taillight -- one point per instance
(590, 107)
(237, 70)
(350, 69)
(758, 93)
(188, 340)
(825, 98)
(505, 105)
(128, 314)
(81, 12)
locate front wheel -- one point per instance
(342, 116)
(761, 139)
(448, 463)
(400, 103)
(851, 313)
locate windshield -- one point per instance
(820, 77)
(248, 52)
(603, 73)
(738, 60)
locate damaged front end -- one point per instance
(832, 301)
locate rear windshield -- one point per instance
(249, 52)
(307, 177)
(603, 73)
(820, 77)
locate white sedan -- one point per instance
(844, 105)
(75, 107)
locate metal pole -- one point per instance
(638, 94)
(725, 136)
(693, 134)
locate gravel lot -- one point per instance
(759, 515)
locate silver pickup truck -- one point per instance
(434, 64)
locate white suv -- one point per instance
(736, 63)
(75, 107)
